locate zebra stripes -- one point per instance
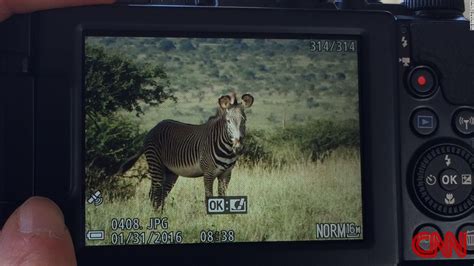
(211, 149)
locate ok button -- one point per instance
(449, 179)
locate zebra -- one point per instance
(210, 150)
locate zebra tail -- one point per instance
(129, 163)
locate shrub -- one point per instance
(315, 140)
(311, 103)
(340, 76)
(186, 45)
(109, 141)
(255, 149)
(167, 45)
(319, 138)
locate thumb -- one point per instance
(35, 234)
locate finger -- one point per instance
(10, 7)
(23, 6)
(35, 234)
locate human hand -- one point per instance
(10, 7)
(35, 234)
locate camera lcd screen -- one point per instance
(221, 140)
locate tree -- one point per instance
(114, 83)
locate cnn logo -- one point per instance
(428, 244)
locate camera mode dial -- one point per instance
(443, 180)
(423, 5)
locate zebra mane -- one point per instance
(219, 112)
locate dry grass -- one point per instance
(284, 203)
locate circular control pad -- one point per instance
(443, 180)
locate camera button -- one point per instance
(464, 121)
(426, 228)
(469, 230)
(422, 81)
(449, 179)
(424, 121)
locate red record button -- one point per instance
(422, 81)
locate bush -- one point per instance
(320, 138)
(186, 45)
(255, 149)
(340, 76)
(311, 103)
(315, 140)
(331, 136)
(109, 141)
(167, 45)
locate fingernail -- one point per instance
(40, 216)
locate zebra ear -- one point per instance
(224, 101)
(247, 100)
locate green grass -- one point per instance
(283, 203)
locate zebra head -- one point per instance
(233, 113)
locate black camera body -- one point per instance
(416, 69)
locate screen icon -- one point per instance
(215, 205)
(95, 235)
(238, 205)
(96, 198)
(227, 205)
(337, 231)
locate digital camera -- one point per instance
(245, 132)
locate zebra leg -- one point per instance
(208, 184)
(169, 181)
(223, 180)
(157, 172)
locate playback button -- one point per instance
(424, 121)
